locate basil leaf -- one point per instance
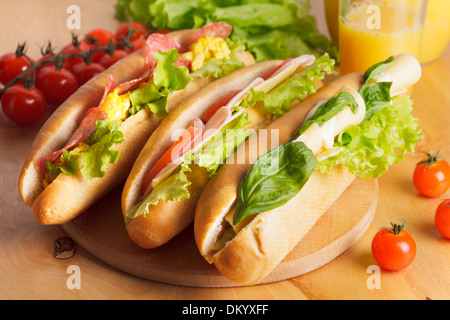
(376, 96)
(274, 179)
(377, 69)
(328, 110)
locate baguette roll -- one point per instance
(67, 196)
(165, 219)
(245, 248)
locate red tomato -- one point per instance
(56, 85)
(108, 60)
(176, 149)
(22, 105)
(84, 72)
(432, 176)
(163, 31)
(442, 218)
(11, 66)
(137, 44)
(71, 49)
(49, 55)
(102, 36)
(393, 248)
(130, 31)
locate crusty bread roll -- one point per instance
(167, 219)
(267, 237)
(68, 196)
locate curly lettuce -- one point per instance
(277, 29)
(372, 146)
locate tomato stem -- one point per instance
(432, 159)
(396, 228)
(28, 75)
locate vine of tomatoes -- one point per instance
(29, 85)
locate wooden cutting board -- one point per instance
(101, 231)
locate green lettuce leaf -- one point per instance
(100, 152)
(277, 29)
(372, 146)
(222, 145)
(218, 68)
(279, 100)
(172, 189)
(167, 78)
(70, 166)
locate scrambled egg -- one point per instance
(205, 48)
(116, 106)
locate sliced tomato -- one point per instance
(271, 73)
(176, 149)
(219, 104)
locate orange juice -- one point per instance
(363, 41)
(436, 34)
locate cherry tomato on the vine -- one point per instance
(23, 105)
(442, 218)
(102, 36)
(84, 72)
(108, 60)
(11, 66)
(56, 85)
(71, 49)
(393, 248)
(431, 176)
(137, 44)
(131, 31)
(49, 55)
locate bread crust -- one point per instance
(152, 231)
(267, 239)
(68, 196)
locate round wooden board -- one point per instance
(101, 231)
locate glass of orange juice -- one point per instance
(371, 31)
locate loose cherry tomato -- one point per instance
(108, 60)
(84, 72)
(102, 36)
(23, 105)
(393, 248)
(11, 66)
(442, 218)
(137, 44)
(432, 176)
(131, 31)
(56, 85)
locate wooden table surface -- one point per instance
(28, 269)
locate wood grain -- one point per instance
(29, 270)
(100, 230)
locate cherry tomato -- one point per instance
(84, 72)
(442, 218)
(49, 55)
(393, 248)
(137, 44)
(56, 85)
(163, 31)
(71, 49)
(108, 60)
(138, 30)
(103, 36)
(11, 66)
(432, 176)
(22, 105)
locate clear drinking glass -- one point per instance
(371, 31)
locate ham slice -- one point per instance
(213, 29)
